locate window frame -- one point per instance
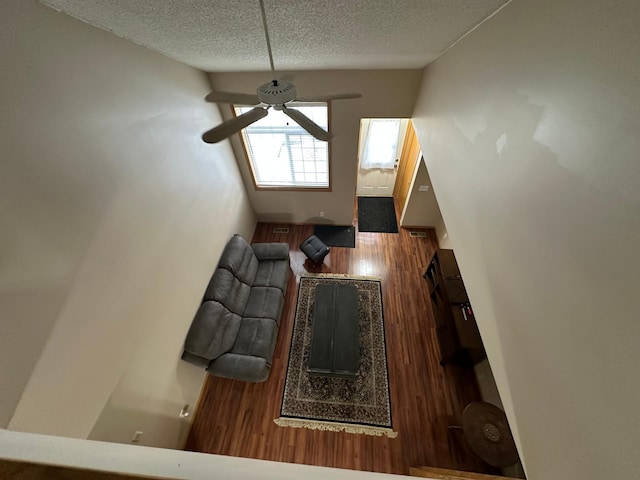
(290, 188)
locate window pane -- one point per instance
(282, 153)
(381, 143)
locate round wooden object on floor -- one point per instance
(486, 428)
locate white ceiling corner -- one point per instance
(227, 35)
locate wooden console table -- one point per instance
(456, 328)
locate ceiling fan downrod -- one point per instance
(266, 35)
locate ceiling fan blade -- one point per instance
(326, 98)
(228, 128)
(230, 97)
(308, 124)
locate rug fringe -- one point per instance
(341, 275)
(334, 426)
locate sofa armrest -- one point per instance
(195, 359)
(271, 251)
(246, 368)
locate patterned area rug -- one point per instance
(359, 405)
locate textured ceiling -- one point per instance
(227, 35)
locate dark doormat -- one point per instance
(336, 235)
(377, 214)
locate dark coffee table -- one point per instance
(335, 342)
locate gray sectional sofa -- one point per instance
(234, 332)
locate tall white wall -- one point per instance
(114, 214)
(530, 132)
(385, 94)
(422, 208)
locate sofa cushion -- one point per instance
(272, 273)
(225, 288)
(239, 259)
(271, 251)
(264, 302)
(256, 337)
(213, 331)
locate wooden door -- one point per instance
(408, 162)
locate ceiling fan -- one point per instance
(277, 94)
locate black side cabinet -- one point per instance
(456, 328)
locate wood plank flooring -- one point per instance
(236, 418)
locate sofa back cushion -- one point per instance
(213, 331)
(228, 290)
(239, 259)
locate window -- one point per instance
(381, 143)
(283, 154)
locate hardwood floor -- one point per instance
(235, 418)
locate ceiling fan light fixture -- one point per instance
(276, 92)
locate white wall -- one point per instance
(422, 207)
(530, 132)
(114, 214)
(385, 94)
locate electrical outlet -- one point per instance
(136, 437)
(322, 214)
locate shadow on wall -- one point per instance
(278, 217)
(319, 221)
